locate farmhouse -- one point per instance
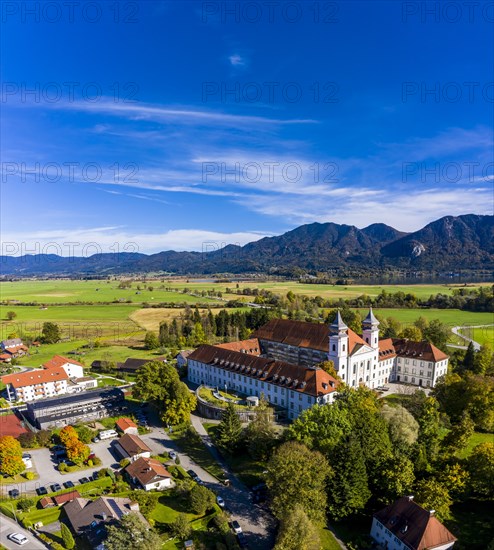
(132, 447)
(149, 474)
(12, 349)
(404, 525)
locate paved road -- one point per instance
(8, 526)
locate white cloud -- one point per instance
(237, 60)
(89, 241)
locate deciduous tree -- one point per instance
(68, 539)
(297, 475)
(10, 456)
(297, 532)
(131, 532)
(433, 495)
(261, 434)
(51, 333)
(201, 499)
(481, 468)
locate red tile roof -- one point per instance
(57, 361)
(145, 470)
(66, 497)
(303, 335)
(386, 349)
(416, 527)
(424, 351)
(36, 376)
(125, 423)
(312, 381)
(251, 346)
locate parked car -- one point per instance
(42, 491)
(14, 493)
(220, 502)
(69, 484)
(18, 538)
(55, 487)
(173, 455)
(83, 480)
(236, 527)
(242, 540)
(193, 475)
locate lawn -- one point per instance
(249, 471)
(328, 542)
(482, 335)
(195, 448)
(472, 524)
(476, 439)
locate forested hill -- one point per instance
(450, 243)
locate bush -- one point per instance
(62, 467)
(90, 463)
(181, 528)
(28, 440)
(29, 475)
(177, 460)
(24, 504)
(201, 499)
(124, 463)
(97, 461)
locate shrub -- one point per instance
(25, 503)
(62, 467)
(90, 462)
(177, 460)
(97, 461)
(124, 462)
(29, 475)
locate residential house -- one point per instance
(10, 343)
(132, 447)
(181, 357)
(132, 364)
(89, 519)
(73, 368)
(149, 474)
(404, 525)
(126, 426)
(12, 349)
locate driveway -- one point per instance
(257, 523)
(8, 526)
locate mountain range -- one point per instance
(449, 243)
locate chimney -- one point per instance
(410, 497)
(432, 512)
(134, 506)
(103, 516)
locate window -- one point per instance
(334, 347)
(343, 347)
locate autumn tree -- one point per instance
(11, 462)
(459, 435)
(396, 478)
(297, 532)
(297, 475)
(77, 451)
(67, 434)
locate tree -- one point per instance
(396, 478)
(84, 433)
(329, 367)
(25, 503)
(480, 465)
(11, 315)
(11, 462)
(429, 427)
(131, 532)
(260, 434)
(437, 333)
(180, 528)
(201, 499)
(412, 333)
(297, 475)
(51, 333)
(67, 435)
(297, 532)
(455, 478)
(229, 432)
(178, 404)
(469, 359)
(459, 435)
(349, 489)
(147, 501)
(484, 360)
(44, 438)
(28, 440)
(68, 539)
(433, 495)
(403, 428)
(151, 341)
(77, 451)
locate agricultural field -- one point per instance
(324, 290)
(68, 291)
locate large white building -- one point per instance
(279, 362)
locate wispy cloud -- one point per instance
(237, 60)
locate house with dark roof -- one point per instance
(132, 447)
(404, 525)
(89, 519)
(149, 474)
(133, 364)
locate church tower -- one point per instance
(338, 342)
(370, 333)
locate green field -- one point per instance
(66, 291)
(482, 335)
(324, 290)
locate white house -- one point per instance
(132, 447)
(404, 525)
(74, 369)
(35, 384)
(149, 474)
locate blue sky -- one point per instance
(171, 124)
